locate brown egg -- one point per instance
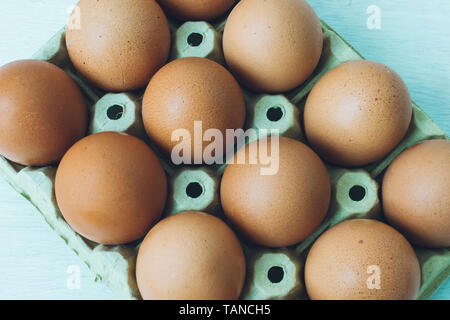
(357, 113)
(272, 45)
(416, 194)
(190, 256)
(362, 260)
(280, 209)
(188, 90)
(118, 44)
(110, 188)
(194, 10)
(43, 112)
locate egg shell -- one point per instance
(416, 193)
(347, 261)
(357, 113)
(281, 209)
(272, 46)
(188, 90)
(190, 256)
(110, 188)
(118, 44)
(196, 10)
(43, 112)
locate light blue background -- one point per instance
(414, 39)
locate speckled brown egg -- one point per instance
(190, 256)
(271, 45)
(110, 188)
(195, 10)
(357, 113)
(43, 112)
(281, 208)
(362, 260)
(118, 44)
(188, 90)
(416, 194)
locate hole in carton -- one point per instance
(194, 190)
(195, 39)
(275, 274)
(115, 112)
(357, 193)
(274, 114)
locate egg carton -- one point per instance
(271, 273)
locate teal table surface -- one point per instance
(411, 36)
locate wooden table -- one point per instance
(414, 39)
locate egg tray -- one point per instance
(271, 273)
